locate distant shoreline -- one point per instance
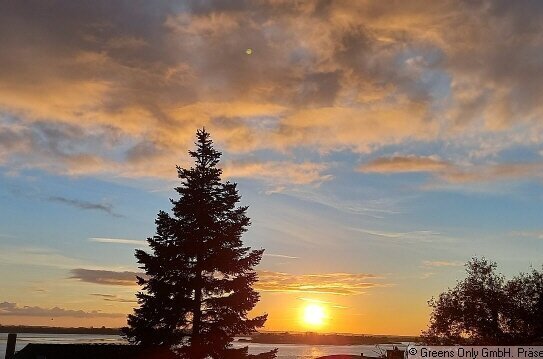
(260, 338)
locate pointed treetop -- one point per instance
(205, 154)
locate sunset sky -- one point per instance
(379, 145)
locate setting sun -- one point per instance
(314, 315)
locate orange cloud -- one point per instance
(489, 173)
(402, 164)
(411, 73)
(279, 173)
(329, 283)
(452, 173)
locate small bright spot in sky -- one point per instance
(249, 51)
(314, 315)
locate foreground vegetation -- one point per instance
(486, 309)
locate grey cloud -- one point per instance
(113, 298)
(85, 205)
(62, 148)
(125, 278)
(143, 150)
(319, 89)
(12, 309)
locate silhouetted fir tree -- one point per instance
(199, 275)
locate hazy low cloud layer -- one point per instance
(119, 88)
(330, 283)
(12, 309)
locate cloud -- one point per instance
(279, 256)
(427, 275)
(330, 283)
(85, 205)
(56, 147)
(278, 172)
(528, 234)
(113, 298)
(376, 208)
(133, 242)
(407, 237)
(12, 309)
(442, 264)
(331, 304)
(403, 164)
(327, 283)
(117, 90)
(43, 257)
(448, 172)
(494, 172)
(107, 277)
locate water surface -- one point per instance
(286, 351)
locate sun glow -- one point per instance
(314, 315)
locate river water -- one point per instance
(286, 351)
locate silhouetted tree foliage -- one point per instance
(485, 309)
(198, 289)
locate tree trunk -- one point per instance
(197, 318)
